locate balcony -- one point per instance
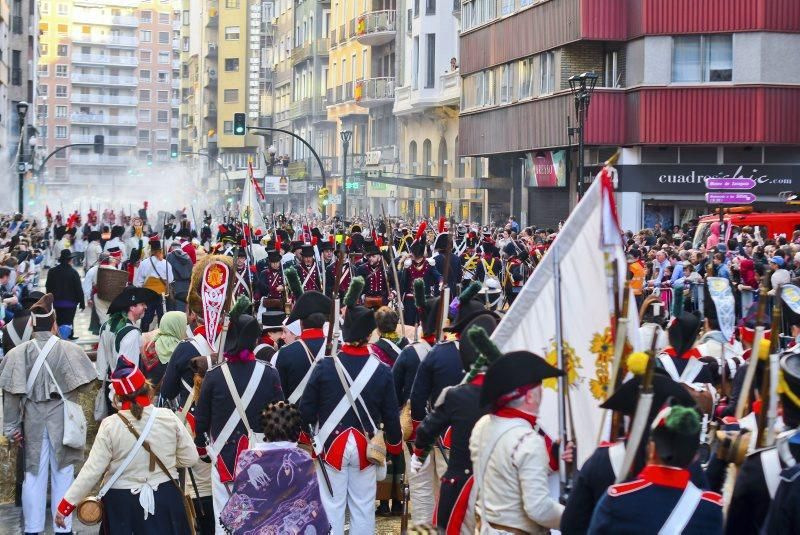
(176, 83)
(282, 118)
(212, 50)
(210, 110)
(129, 21)
(125, 141)
(210, 79)
(322, 46)
(176, 64)
(108, 40)
(376, 28)
(373, 92)
(111, 100)
(175, 102)
(307, 107)
(334, 42)
(103, 59)
(92, 17)
(104, 79)
(342, 34)
(213, 15)
(99, 159)
(174, 123)
(450, 83)
(101, 118)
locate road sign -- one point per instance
(730, 183)
(730, 198)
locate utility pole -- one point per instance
(22, 111)
(346, 136)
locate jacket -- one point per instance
(292, 361)
(182, 273)
(65, 285)
(440, 369)
(405, 369)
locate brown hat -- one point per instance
(43, 308)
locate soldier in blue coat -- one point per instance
(345, 430)
(662, 499)
(294, 361)
(405, 367)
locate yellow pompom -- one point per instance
(637, 363)
(763, 349)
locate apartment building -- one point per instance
(20, 51)
(689, 89)
(106, 68)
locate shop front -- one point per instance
(675, 194)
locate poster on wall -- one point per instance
(546, 169)
(276, 185)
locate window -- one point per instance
(185, 17)
(415, 64)
(42, 90)
(43, 69)
(44, 48)
(146, 16)
(144, 115)
(526, 78)
(232, 33)
(61, 71)
(63, 9)
(163, 96)
(163, 116)
(163, 58)
(163, 38)
(426, 157)
(506, 88)
(145, 56)
(430, 7)
(430, 73)
(61, 91)
(231, 95)
(412, 157)
(61, 172)
(62, 29)
(547, 71)
(478, 90)
(227, 127)
(61, 112)
(506, 7)
(611, 69)
(163, 77)
(702, 58)
(62, 50)
(232, 4)
(231, 64)
(144, 95)
(478, 12)
(144, 75)
(61, 132)
(145, 36)
(41, 111)
(144, 135)
(163, 18)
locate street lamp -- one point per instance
(582, 86)
(22, 111)
(272, 151)
(346, 136)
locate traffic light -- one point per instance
(149, 160)
(99, 143)
(239, 124)
(173, 150)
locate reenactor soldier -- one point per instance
(516, 271)
(309, 274)
(243, 276)
(418, 268)
(377, 289)
(269, 285)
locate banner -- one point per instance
(250, 206)
(276, 185)
(586, 252)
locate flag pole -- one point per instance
(562, 381)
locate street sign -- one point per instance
(335, 198)
(730, 183)
(718, 197)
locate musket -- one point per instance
(620, 337)
(334, 301)
(742, 403)
(444, 301)
(396, 280)
(766, 416)
(404, 518)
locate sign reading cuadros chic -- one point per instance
(688, 179)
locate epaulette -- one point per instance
(713, 497)
(626, 488)
(442, 395)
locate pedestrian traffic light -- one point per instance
(149, 160)
(173, 150)
(239, 124)
(99, 143)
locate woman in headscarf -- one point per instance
(171, 330)
(714, 238)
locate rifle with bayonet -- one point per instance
(766, 415)
(444, 301)
(393, 261)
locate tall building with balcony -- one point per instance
(426, 104)
(689, 90)
(106, 68)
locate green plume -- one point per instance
(419, 293)
(469, 292)
(483, 344)
(683, 420)
(242, 305)
(354, 291)
(293, 278)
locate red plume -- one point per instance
(442, 221)
(332, 239)
(278, 242)
(421, 230)
(379, 241)
(313, 240)
(247, 231)
(243, 243)
(146, 204)
(222, 229)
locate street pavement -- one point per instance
(11, 516)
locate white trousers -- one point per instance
(353, 489)
(34, 490)
(220, 495)
(424, 486)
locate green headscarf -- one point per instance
(172, 330)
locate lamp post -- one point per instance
(346, 136)
(272, 151)
(22, 111)
(582, 86)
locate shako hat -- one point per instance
(512, 372)
(126, 378)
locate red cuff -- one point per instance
(201, 451)
(303, 438)
(65, 508)
(414, 425)
(419, 453)
(394, 449)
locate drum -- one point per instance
(374, 302)
(110, 283)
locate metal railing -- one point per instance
(105, 39)
(114, 100)
(105, 79)
(371, 89)
(376, 22)
(100, 118)
(103, 59)
(109, 140)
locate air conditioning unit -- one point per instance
(212, 73)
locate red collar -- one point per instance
(506, 412)
(142, 400)
(693, 353)
(431, 339)
(665, 476)
(355, 351)
(478, 379)
(312, 334)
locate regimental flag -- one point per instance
(589, 253)
(250, 206)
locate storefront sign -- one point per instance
(720, 197)
(276, 185)
(546, 169)
(297, 187)
(692, 179)
(730, 183)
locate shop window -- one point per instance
(782, 155)
(748, 154)
(698, 154)
(659, 155)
